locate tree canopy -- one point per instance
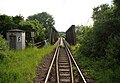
(99, 45)
(106, 26)
(44, 18)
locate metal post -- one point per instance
(32, 36)
(32, 41)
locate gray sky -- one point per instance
(65, 12)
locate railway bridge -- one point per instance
(70, 35)
(63, 65)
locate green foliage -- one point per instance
(117, 3)
(3, 43)
(113, 48)
(17, 19)
(62, 34)
(20, 66)
(95, 40)
(6, 23)
(18, 22)
(99, 48)
(33, 25)
(81, 32)
(44, 18)
(106, 23)
(100, 70)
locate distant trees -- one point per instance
(62, 34)
(44, 18)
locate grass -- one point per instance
(101, 70)
(20, 66)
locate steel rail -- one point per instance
(54, 56)
(71, 69)
(82, 76)
(58, 80)
(70, 57)
(70, 63)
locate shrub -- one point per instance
(3, 43)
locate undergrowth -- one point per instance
(101, 70)
(20, 66)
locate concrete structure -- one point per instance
(16, 39)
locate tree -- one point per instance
(116, 3)
(6, 23)
(44, 18)
(9, 22)
(35, 26)
(17, 19)
(81, 31)
(106, 25)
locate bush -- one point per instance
(3, 43)
(113, 49)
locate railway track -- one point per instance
(63, 65)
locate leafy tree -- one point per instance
(113, 48)
(117, 3)
(106, 24)
(9, 22)
(6, 23)
(44, 18)
(18, 22)
(86, 39)
(35, 26)
(17, 19)
(101, 43)
(81, 31)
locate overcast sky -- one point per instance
(65, 12)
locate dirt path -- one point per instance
(42, 69)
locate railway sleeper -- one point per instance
(65, 80)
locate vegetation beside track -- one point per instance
(101, 70)
(19, 66)
(98, 51)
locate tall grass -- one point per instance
(20, 66)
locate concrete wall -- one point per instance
(20, 39)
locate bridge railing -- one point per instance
(71, 36)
